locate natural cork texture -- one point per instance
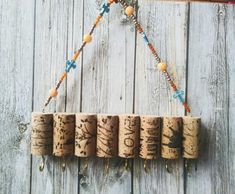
(191, 128)
(150, 137)
(63, 136)
(171, 137)
(129, 134)
(42, 134)
(107, 135)
(85, 135)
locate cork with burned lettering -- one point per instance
(191, 128)
(63, 135)
(85, 135)
(42, 133)
(171, 137)
(107, 135)
(150, 137)
(129, 134)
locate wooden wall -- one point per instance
(116, 74)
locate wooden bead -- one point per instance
(129, 10)
(53, 92)
(111, 1)
(162, 66)
(87, 38)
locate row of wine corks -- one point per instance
(107, 136)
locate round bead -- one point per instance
(53, 92)
(129, 10)
(111, 1)
(87, 38)
(162, 66)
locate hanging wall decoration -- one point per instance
(106, 136)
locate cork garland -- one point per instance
(107, 136)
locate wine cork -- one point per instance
(107, 135)
(171, 137)
(64, 132)
(129, 134)
(150, 137)
(42, 134)
(191, 128)
(85, 135)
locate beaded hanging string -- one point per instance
(71, 63)
(129, 11)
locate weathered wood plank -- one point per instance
(210, 58)
(107, 86)
(53, 19)
(166, 26)
(230, 58)
(16, 59)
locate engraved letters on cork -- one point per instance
(107, 135)
(129, 134)
(150, 137)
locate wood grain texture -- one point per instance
(210, 59)
(107, 86)
(166, 26)
(230, 58)
(16, 59)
